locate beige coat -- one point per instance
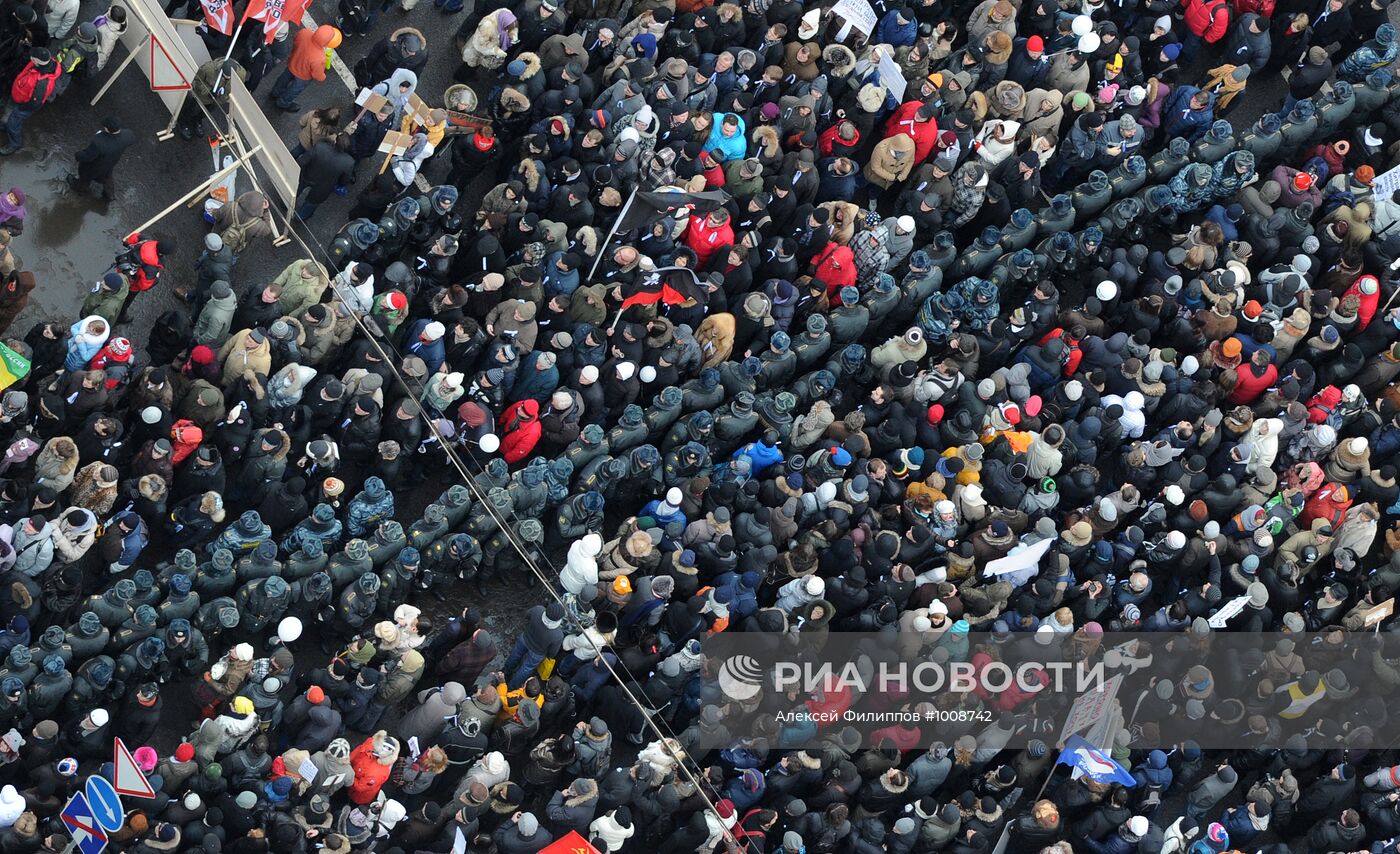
(236, 357)
(891, 161)
(716, 338)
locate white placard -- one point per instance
(1386, 183)
(859, 13)
(1224, 615)
(307, 770)
(1088, 708)
(1026, 558)
(892, 76)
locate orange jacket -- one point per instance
(308, 59)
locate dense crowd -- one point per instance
(844, 349)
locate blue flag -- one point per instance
(1093, 763)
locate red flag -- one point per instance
(273, 12)
(570, 843)
(218, 14)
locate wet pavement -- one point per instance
(72, 237)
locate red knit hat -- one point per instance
(316, 695)
(184, 752)
(1035, 44)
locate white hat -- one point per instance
(922, 624)
(589, 373)
(289, 629)
(243, 652)
(1190, 365)
(815, 585)
(98, 717)
(489, 443)
(592, 545)
(673, 497)
(1137, 826)
(271, 685)
(937, 607)
(433, 331)
(192, 801)
(1176, 540)
(648, 374)
(1174, 495)
(625, 370)
(1106, 290)
(1357, 446)
(905, 224)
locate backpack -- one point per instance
(236, 235)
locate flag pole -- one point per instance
(232, 43)
(612, 231)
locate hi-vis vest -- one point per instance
(1301, 701)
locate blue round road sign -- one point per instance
(105, 802)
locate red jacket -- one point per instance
(1075, 355)
(185, 436)
(705, 240)
(35, 88)
(1331, 502)
(1209, 19)
(522, 431)
(1251, 386)
(1323, 403)
(830, 143)
(924, 134)
(117, 351)
(370, 773)
(1366, 311)
(1258, 7)
(714, 177)
(836, 268)
(149, 268)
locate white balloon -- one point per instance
(489, 443)
(1089, 42)
(289, 629)
(1082, 25)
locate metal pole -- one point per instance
(130, 58)
(612, 231)
(232, 42)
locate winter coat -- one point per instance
(236, 357)
(372, 762)
(891, 161)
(522, 431)
(215, 320)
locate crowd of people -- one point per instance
(895, 300)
